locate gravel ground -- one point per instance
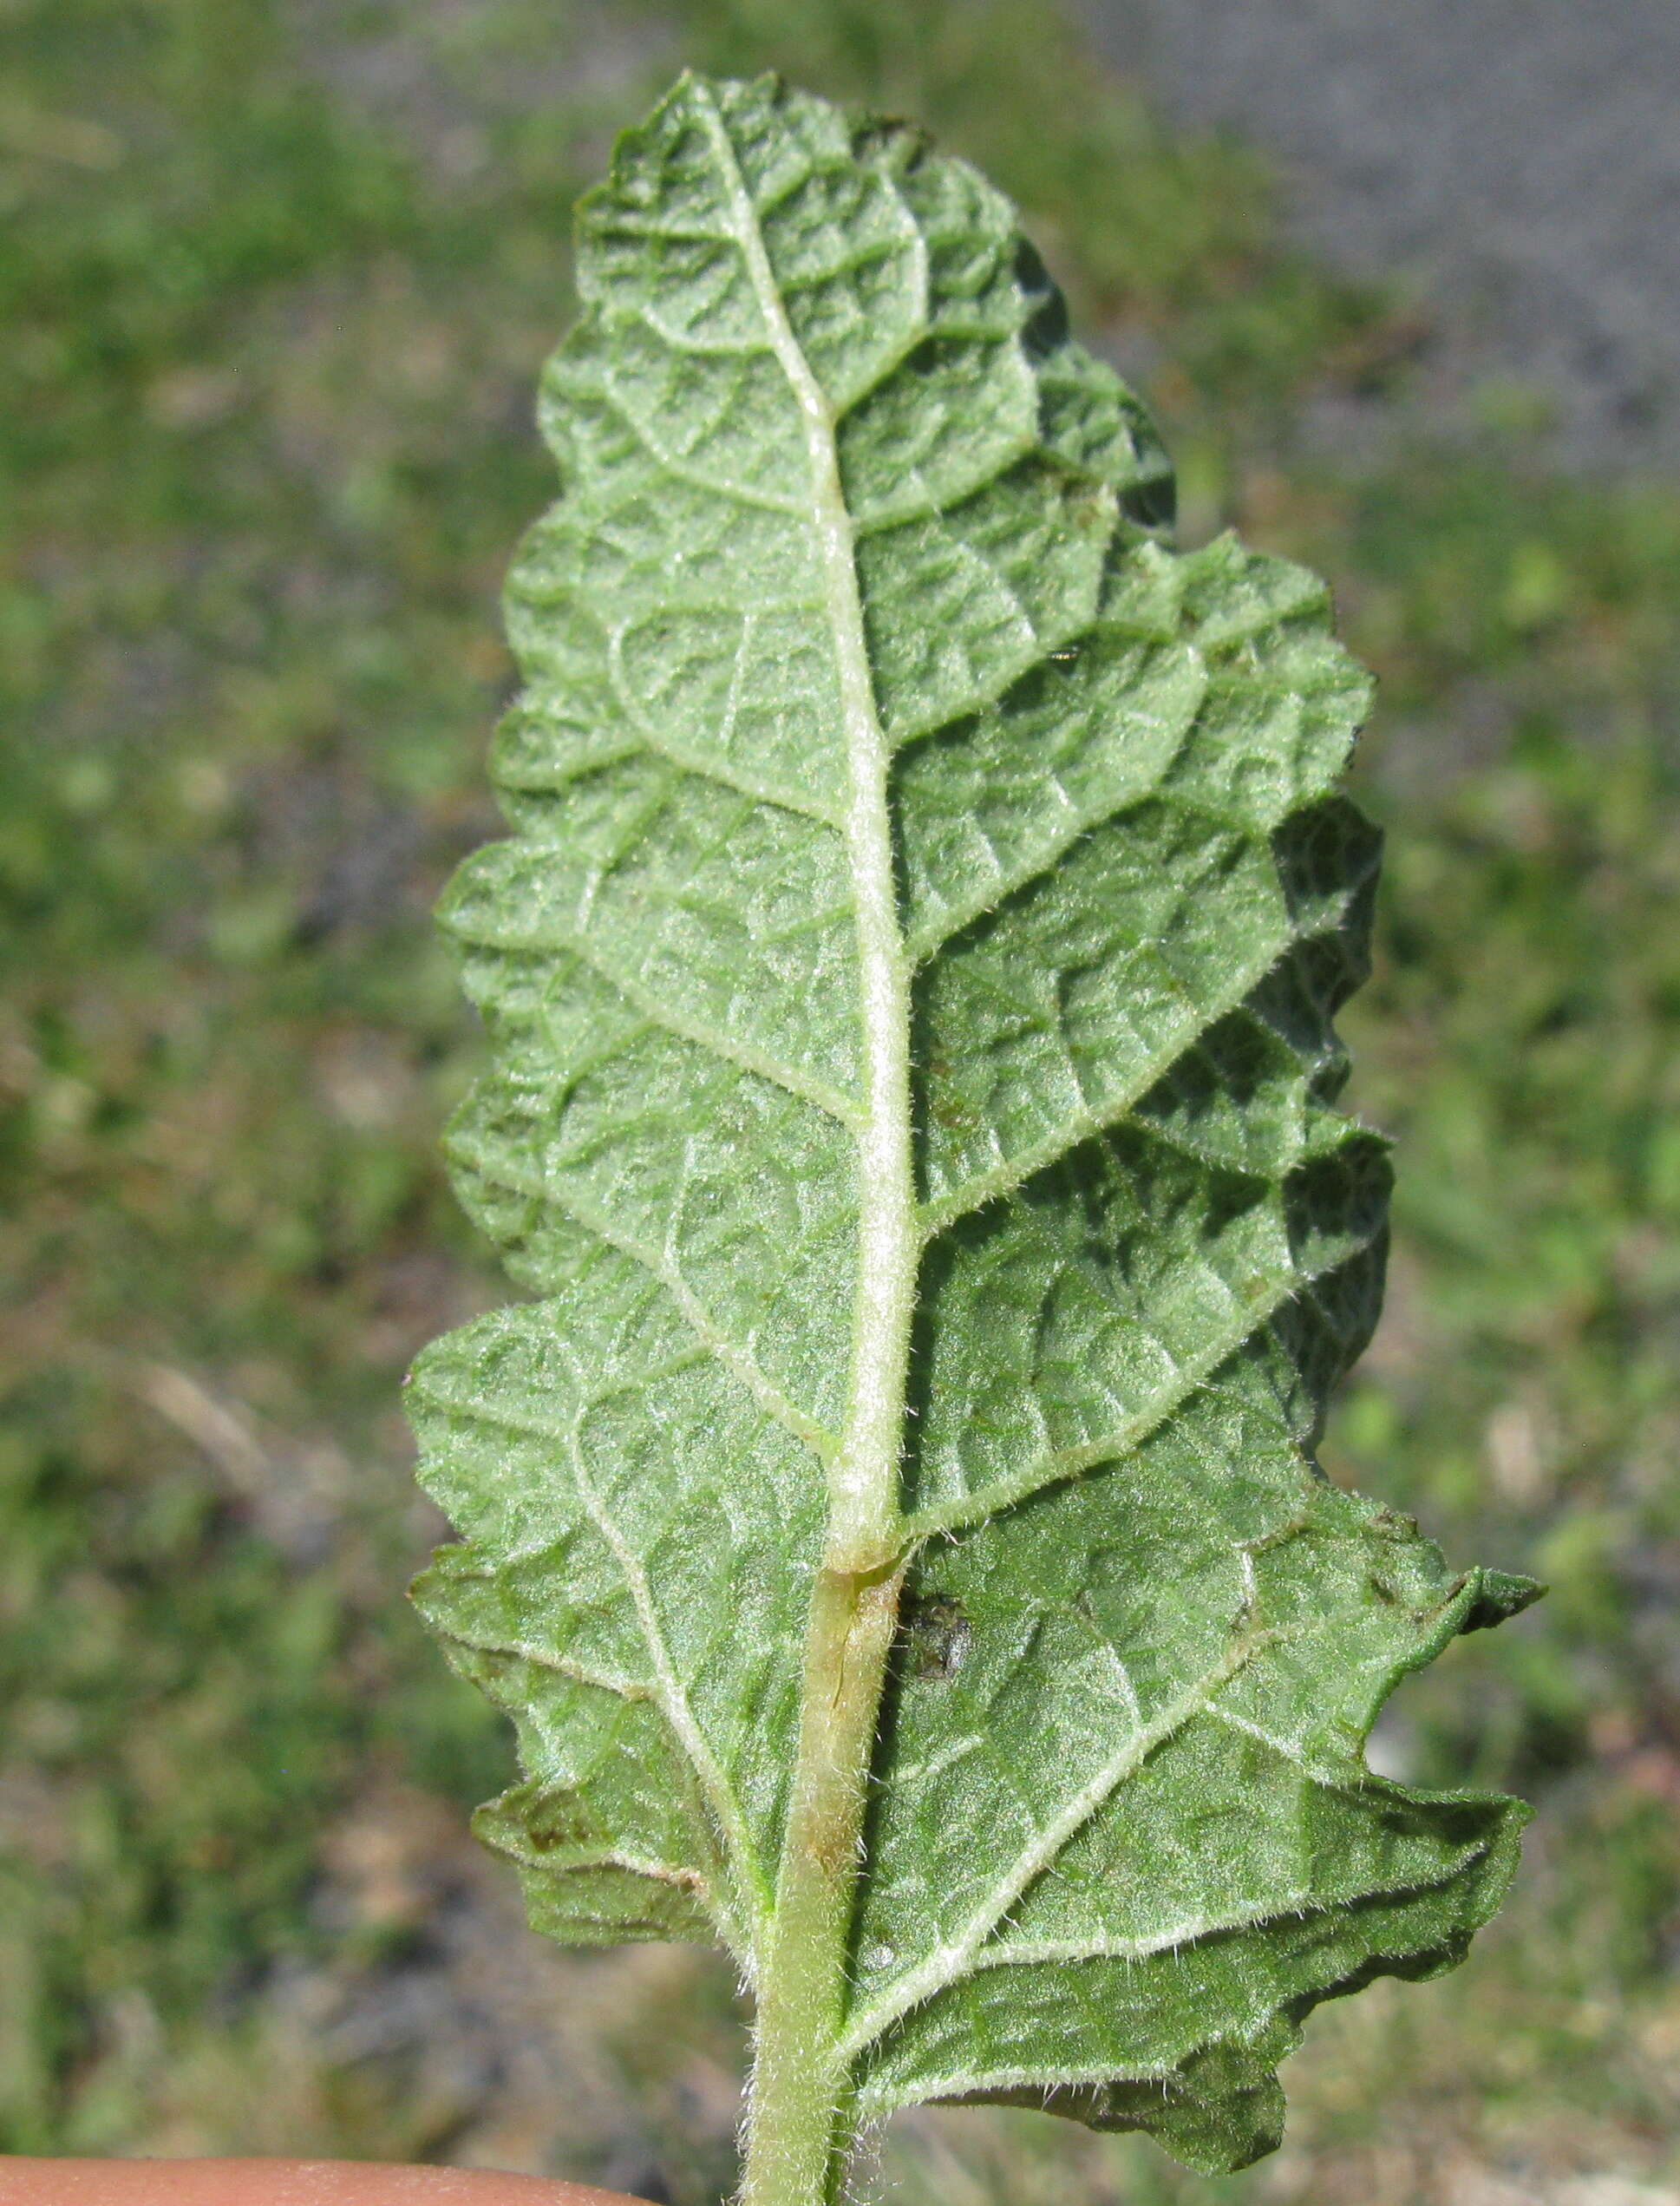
(1516, 162)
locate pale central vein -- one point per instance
(864, 1479)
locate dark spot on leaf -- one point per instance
(934, 1631)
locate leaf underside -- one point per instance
(1121, 1835)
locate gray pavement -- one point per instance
(1516, 162)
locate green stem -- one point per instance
(799, 2127)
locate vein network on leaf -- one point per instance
(892, 1524)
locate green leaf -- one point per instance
(893, 1526)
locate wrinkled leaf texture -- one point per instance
(1121, 1835)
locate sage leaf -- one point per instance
(893, 1525)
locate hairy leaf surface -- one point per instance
(837, 488)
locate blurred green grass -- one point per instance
(277, 278)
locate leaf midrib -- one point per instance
(863, 1480)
